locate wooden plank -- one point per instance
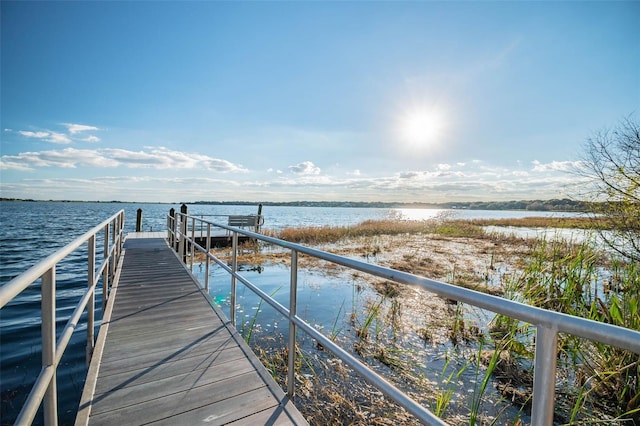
(168, 355)
(174, 404)
(137, 374)
(152, 357)
(283, 415)
(226, 410)
(238, 378)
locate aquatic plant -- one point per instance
(373, 311)
(596, 379)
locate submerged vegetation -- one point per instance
(466, 365)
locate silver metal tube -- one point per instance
(37, 394)
(183, 232)
(105, 271)
(234, 269)
(48, 301)
(206, 268)
(193, 241)
(112, 252)
(72, 324)
(544, 375)
(91, 305)
(293, 290)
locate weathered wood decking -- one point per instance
(166, 355)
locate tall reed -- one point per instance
(577, 279)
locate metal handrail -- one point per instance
(44, 389)
(548, 323)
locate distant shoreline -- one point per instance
(554, 205)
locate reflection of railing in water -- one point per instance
(548, 323)
(44, 390)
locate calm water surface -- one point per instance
(30, 231)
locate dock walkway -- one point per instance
(166, 355)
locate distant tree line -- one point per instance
(555, 205)
(558, 205)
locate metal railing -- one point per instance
(548, 323)
(44, 389)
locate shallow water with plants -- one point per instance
(466, 365)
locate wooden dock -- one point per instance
(166, 354)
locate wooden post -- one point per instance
(258, 219)
(139, 221)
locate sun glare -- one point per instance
(421, 127)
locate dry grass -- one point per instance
(369, 228)
(544, 222)
(445, 228)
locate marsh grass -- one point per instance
(545, 222)
(472, 228)
(595, 381)
(374, 228)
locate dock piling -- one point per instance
(139, 221)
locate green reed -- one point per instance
(577, 279)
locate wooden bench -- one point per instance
(242, 221)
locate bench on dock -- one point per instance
(241, 221)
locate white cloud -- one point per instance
(555, 166)
(154, 158)
(48, 136)
(60, 138)
(78, 128)
(305, 168)
(480, 180)
(91, 138)
(37, 135)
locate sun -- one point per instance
(421, 127)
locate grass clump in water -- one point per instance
(596, 380)
(370, 228)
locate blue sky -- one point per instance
(281, 101)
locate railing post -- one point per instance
(171, 222)
(139, 221)
(206, 268)
(121, 233)
(105, 272)
(234, 269)
(181, 240)
(258, 218)
(293, 301)
(48, 289)
(183, 233)
(91, 304)
(193, 239)
(544, 376)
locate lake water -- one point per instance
(29, 231)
